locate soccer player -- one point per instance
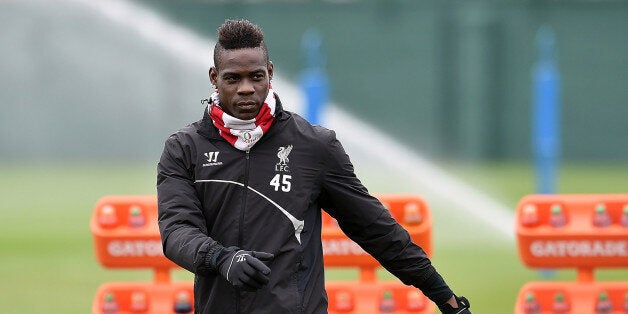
(240, 194)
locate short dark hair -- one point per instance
(238, 34)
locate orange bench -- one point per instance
(581, 297)
(560, 231)
(126, 236)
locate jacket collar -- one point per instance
(207, 129)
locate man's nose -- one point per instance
(246, 87)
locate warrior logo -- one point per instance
(212, 159)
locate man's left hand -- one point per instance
(463, 306)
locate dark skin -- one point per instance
(242, 79)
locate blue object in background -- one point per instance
(546, 113)
(546, 118)
(314, 82)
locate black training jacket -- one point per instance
(269, 199)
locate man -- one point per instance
(240, 194)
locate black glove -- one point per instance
(463, 307)
(244, 269)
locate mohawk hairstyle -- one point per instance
(238, 34)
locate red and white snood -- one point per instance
(242, 134)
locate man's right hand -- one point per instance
(244, 269)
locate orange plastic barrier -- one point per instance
(126, 235)
(118, 243)
(579, 297)
(578, 243)
(367, 295)
(578, 231)
(343, 297)
(143, 297)
(359, 298)
(411, 211)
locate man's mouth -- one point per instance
(246, 106)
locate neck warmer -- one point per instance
(242, 134)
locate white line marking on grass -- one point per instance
(189, 47)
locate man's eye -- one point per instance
(258, 76)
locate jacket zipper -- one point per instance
(241, 222)
(246, 185)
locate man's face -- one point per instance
(242, 80)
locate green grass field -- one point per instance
(48, 266)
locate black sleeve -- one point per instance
(181, 221)
(367, 222)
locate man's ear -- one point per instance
(213, 75)
(270, 70)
